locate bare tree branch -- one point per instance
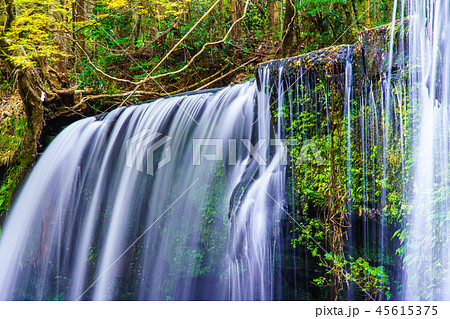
(227, 74)
(181, 40)
(101, 72)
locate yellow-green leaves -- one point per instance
(116, 4)
(33, 32)
(169, 8)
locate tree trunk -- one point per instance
(137, 28)
(355, 12)
(35, 90)
(273, 17)
(288, 29)
(236, 13)
(223, 29)
(184, 12)
(64, 45)
(9, 14)
(79, 16)
(367, 22)
(34, 110)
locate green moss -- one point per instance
(13, 129)
(12, 157)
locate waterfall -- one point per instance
(192, 197)
(427, 254)
(175, 199)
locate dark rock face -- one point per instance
(313, 62)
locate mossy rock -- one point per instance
(369, 57)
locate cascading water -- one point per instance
(427, 254)
(125, 207)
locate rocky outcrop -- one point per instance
(369, 57)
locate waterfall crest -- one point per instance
(123, 207)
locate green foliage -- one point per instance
(10, 184)
(31, 36)
(361, 180)
(311, 234)
(325, 22)
(331, 22)
(13, 130)
(371, 279)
